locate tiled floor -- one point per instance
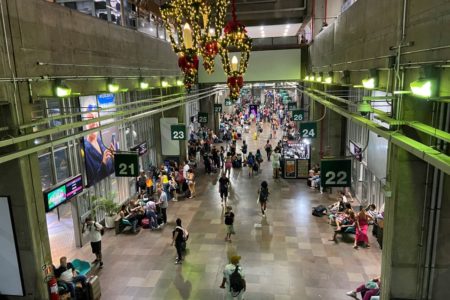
(285, 256)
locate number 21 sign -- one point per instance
(335, 172)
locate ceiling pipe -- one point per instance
(424, 152)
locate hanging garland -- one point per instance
(235, 38)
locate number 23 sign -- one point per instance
(335, 172)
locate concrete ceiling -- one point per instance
(273, 30)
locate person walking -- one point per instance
(268, 148)
(94, 230)
(263, 196)
(244, 149)
(179, 237)
(191, 183)
(229, 220)
(234, 280)
(163, 205)
(250, 162)
(224, 182)
(276, 156)
(228, 164)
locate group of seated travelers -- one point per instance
(347, 221)
(68, 278)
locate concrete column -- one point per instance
(402, 226)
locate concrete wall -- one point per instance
(272, 65)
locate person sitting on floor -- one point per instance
(368, 290)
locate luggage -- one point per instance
(145, 223)
(319, 211)
(255, 167)
(82, 293)
(95, 291)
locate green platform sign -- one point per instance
(228, 102)
(126, 164)
(308, 130)
(335, 172)
(202, 117)
(292, 105)
(178, 132)
(298, 115)
(217, 108)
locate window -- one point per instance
(61, 164)
(46, 171)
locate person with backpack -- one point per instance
(224, 182)
(244, 149)
(234, 279)
(250, 162)
(95, 232)
(179, 238)
(229, 220)
(263, 196)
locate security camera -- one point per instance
(364, 108)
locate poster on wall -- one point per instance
(11, 281)
(99, 146)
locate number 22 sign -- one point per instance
(335, 172)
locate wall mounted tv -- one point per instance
(58, 194)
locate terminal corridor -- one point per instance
(286, 255)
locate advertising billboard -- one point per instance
(99, 146)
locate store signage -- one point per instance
(335, 172)
(298, 115)
(126, 164)
(202, 117)
(292, 105)
(217, 108)
(141, 149)
(308, 130)
(58, 194)
(178, 132)
(228, 102)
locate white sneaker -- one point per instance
(351, 294)
(174, 200)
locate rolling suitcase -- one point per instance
(95, 291)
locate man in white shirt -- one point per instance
(185, 169)
(94, 233)
(163, 204)
(150, 213)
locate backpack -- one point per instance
(250, 160)
(264, 194)
(236, 282)
(319, 211)
(185, 233)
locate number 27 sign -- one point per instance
(335, 172)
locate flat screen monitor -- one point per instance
(74, 186)
(62, 192)
(55, 197)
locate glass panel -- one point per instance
(46, 171)
(61, 164)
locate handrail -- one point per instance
(28, 151)
(434, 157)
(69, 126)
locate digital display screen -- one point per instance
(74, 187)
(253, 110)
(141, 149)
(55, 197)
(59, 194)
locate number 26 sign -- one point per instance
(335, 172)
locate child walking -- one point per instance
(229, 220)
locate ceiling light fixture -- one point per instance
(62, 90)
(113, 87)
(423, 88)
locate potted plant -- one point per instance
(108, 206)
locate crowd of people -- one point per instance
(221, 153)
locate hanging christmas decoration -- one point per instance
(194, 27)
(235, 38)
(213, 22)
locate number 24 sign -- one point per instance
(308, 130)
(335, 173)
